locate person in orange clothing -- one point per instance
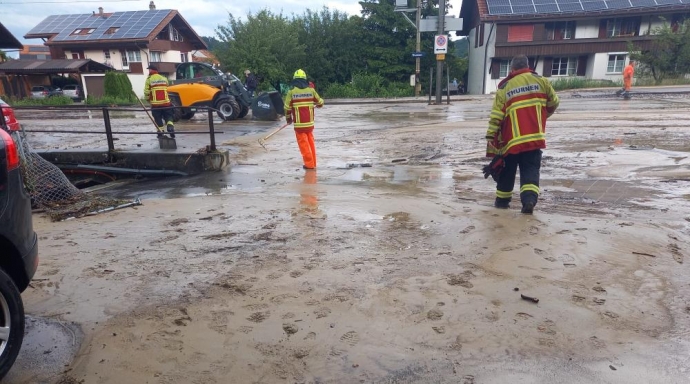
(628, 74)
(299, 108)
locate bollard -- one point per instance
(211, 130)
(108, 130)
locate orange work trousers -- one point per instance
(627, 84)
(305, 140)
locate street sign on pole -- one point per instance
(440, 57)
(418, 54)
(440, 44)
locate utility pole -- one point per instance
(418, 84)
(439, 63)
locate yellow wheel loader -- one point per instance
(201, 85)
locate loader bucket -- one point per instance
(267, 106)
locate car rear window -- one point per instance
(37, 88)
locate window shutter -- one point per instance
(548, 62)
(582, 66)
(501, 33)
(602, 29)
(539, 32)
(520, 32)
(495, 68)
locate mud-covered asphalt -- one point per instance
(401, 272)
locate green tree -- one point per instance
(670, 54)
(266, 43)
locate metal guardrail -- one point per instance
(109, 134)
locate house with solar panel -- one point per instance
(126, 41)
(562, 38)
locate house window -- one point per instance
(106, 53)
(563, 30)
(111, 31)
(125, 63)
(504, 68)
(622, 27)
(156, 57)
(616, 64)
(183, 57)
(134, 56)
(174, 34)
(78, 55)
(564, 66)
(520, 32)
(82, 31)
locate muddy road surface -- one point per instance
(401, 272)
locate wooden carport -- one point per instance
(18, 76)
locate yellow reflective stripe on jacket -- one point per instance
(299, 103)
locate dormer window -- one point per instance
(82, 31)
(111, 30)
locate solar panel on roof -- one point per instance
(643, 3)
(500, 10)
(570, 7)
(523, 9)
(537, 2)
(593, 5)
(136, 24)
(546, 8)
(618, 4)
(667, 2)
(521, 2)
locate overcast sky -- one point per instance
(19, 16)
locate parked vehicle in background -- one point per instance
(8, 121)
(19, 251)
(73, 91)
(43, 91)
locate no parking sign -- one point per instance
(441, 44)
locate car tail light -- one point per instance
(45, 92)
(10, 150)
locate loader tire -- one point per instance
(228, 109)
(177, 110)
(187, 115)
(243, 112)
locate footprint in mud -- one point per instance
(245, 329)
(322, 312)
(256, 307)
(440, 329)
(551, 259)
(611, 315)
(533, 230)
(310, 336)
(258, 317)
(599, 301)
(562, 232)
(164, 239)
(546, 342)
(547, 327)
(675, 251)
(296, 274)
(279, 299)
(539, 251)
(350, 338)
(599, 288)
(461, 280)
(177, 222)
(274, 276)
(579, 299)
(290, 328)
(434, 314)
(468, 379)
(597, 343)
(523, 315)
(468, 229)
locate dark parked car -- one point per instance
(18, 251)
(43, 91)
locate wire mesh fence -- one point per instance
(52, 191)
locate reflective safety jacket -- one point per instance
(300, 102)
(518, 118)
(628, 73)
(156, 90)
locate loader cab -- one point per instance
(199, 73)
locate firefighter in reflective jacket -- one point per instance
(517, 127)
(156, 92)
(299, 108)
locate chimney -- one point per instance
(152, 6)
(100, 11)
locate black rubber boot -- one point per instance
(502, 203)
(527, 208)
(171, 130)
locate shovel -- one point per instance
(262, 141)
